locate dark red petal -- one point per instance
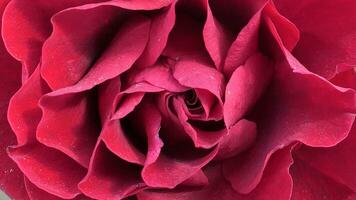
(196, 74)
(338, 163)
(244, 46)
(276, 184)
(25, 28)
(109, 177)
(36, 193)
(11, 178)
(71, 124)
(168, 172)
(158, 75)
(126, 47)
(201, 138)
(48, 169)
(345, 77)
(216, 38)
(240, 136)
(115, 139)
(311, 184)
(245, 87)
(127, 103)
(197, 180)
(161, 26)
(327, 33)
(294, 108)
(78, 38)
(287, 31)
(107, 94)
(24, 106)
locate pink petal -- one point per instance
(70, 124)
(201, 138)
(76, 43)
(240, 136)
(337, 163)
(345, 78)
(276, 175)
(127, 103)
(35, 193)
(107, 94)
(327, 33)
(25, 29)
(48, 169)
(311, 184)
(244, 46)
(161, 26)
(168, 172)
(196, 74)
(216, 38)
(124, 50)
(294, 109)
(24, 105)
(11, 178)
(109, 177)
(116, 141)
(245, 87)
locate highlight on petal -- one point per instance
(247, 84)
(48, 169)
(109, 177)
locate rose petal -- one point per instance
(201, 138)
(127, 103)
(159, 76)
(337, 163)
(70, 124)
(107, 94)
(327, 33)
(244, 46)
(240, 136)
(11, 178)
(109, 177)
(24, 105)
(216, 38)
(161, 26)
(168, 172)
(48, 169)
(310, 184)
(345, 77)
(276, 174)
(76, 43)
(293, 109)
(196, 74)
(116, 141)
(126, 47)
(25, 29)
(37, 194)
(245, 87)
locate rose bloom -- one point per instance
(178, 99)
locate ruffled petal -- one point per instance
(109, 177)
(48, 169)
(328, 33)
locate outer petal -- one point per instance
(293, 110)
(276, 174)
(25, 28)
(109, 177)
(11, 178)
(311, 184)
(70, 124)
(48, 169)
(328, 33)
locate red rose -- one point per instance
(187, 99)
